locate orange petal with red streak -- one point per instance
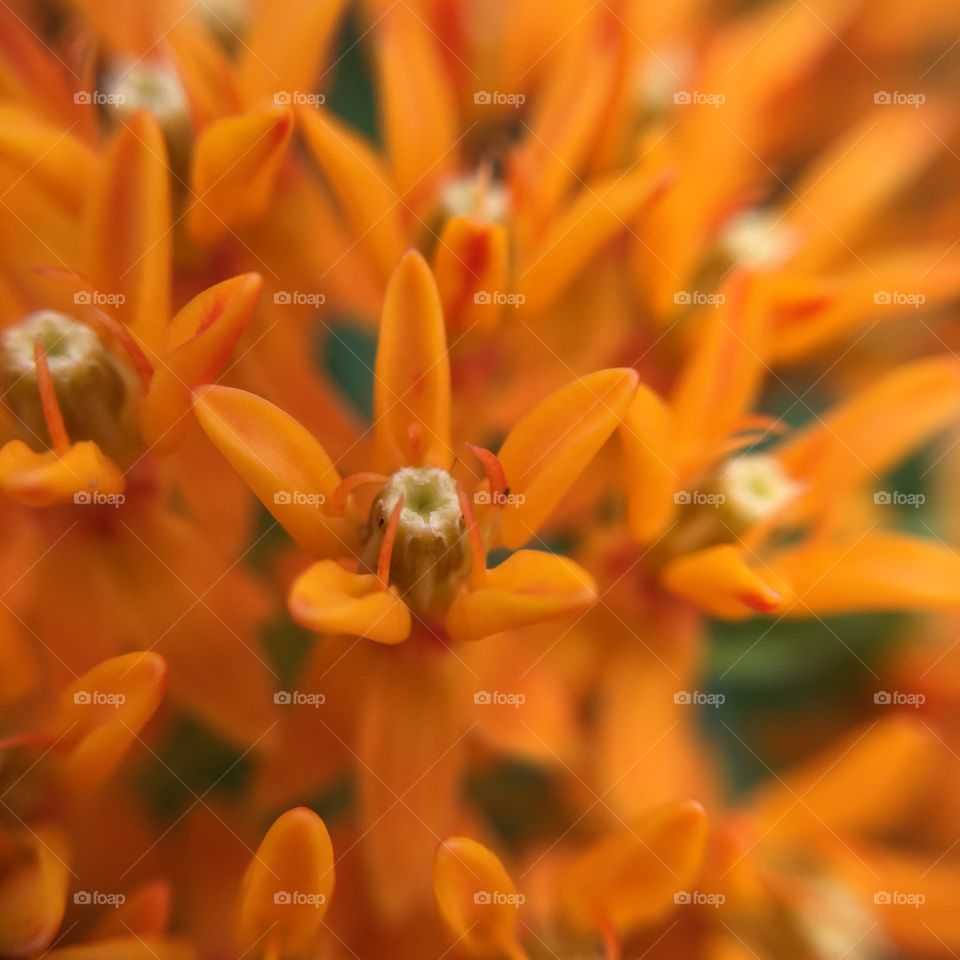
(202, 337)
(721, 581)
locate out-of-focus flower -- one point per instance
(601, 896)
(719, 518)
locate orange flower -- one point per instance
(418, 552)
(717, 517)
(602, 895)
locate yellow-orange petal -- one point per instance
(33, 894)
(647, 443)
(235, 166)
(361, 184)
(721, 581)
(477, 897)
(411, 394)
(599, 214)
(470, 263)
(288, 885)
(723, 375)
(101, 714)
(281, 461)
(327, 598)
(857, 785)
(144, 913)
(201, 338)
(48, 478)
(548, 449)
(631, 876)
(282, 53)
(528, 587)
(883, 570)
(862, 437)
(410, 71)
(129, 227)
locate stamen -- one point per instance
(386, 548)
(347, 485)
(611, 942)
(493, 469)
(478, 555)
(52, 415)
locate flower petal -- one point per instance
(720, 581)
(880, 571)
(287, 887)
(647, 443)
(125, 948)
(411, 395)
(528, 587)
(630, 876)
(327, 598)
(280, 460)
(360, 183)
(33, 895)
(202, 336)
(44, 479)
(101, 713)
(548, 449)
(470, 261)
(129, 230)
(235, 166)
(476, 897)
(864, 436)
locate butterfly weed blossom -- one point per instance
(595, 365)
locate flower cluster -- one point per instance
(475, 480)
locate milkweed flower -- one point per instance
(419, 555)
(601, 895)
